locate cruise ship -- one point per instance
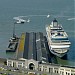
(57, 38)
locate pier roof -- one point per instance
(33, 47)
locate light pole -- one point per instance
(14, 30)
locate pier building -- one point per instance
(31, 54)
(32, 46)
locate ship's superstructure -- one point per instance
(57, 39)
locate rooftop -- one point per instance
(32, 46)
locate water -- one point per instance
(60, 9)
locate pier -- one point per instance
(32, 55)
(21, 42)
(20, 48)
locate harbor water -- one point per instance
(37, 11)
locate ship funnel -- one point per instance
(55, 22)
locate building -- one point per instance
(32, 55)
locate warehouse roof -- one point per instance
(33, 47)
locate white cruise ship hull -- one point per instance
(58, 53)
(60, 46)
(58, 49)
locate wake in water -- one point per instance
(71, 19)
(47, 16)
(19, 17)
